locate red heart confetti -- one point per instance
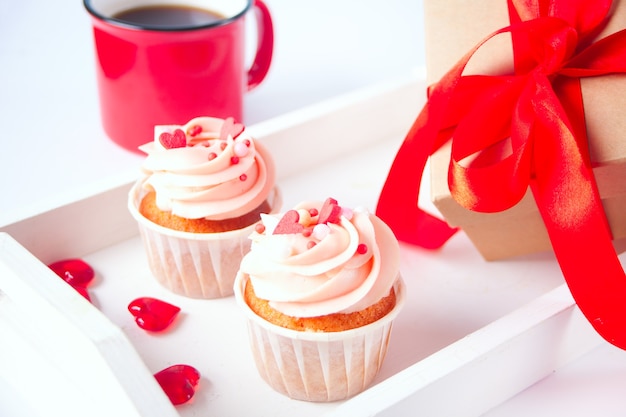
(230, 127)
(330, 211)
(179, 382)
(288, 224)
(178, 139)
(75, 272)
(152, 314)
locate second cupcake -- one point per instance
(204, 186)
(320, 288)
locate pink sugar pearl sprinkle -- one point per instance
(320, 231)
(241, 149)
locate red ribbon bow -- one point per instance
(533, 122)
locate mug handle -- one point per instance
(265, 45)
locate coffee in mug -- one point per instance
(168, 17)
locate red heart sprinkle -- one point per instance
(152, 314)
(289, 224)
(75, 272)
(179, 382)
(230, 127)
(330, 211)
(178, 139)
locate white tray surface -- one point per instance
(466, 320)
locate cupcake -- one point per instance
(203, 187)
(320, 288)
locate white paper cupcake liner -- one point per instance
(196, 265)
(317, 366)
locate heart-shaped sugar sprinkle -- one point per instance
(75, 272)
(152, 314)
(177, 139)
(289, 224)
(230, 127)
(179, 382)
(330, 211)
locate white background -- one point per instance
(53, 144)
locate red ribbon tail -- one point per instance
(398, 201)
(569, 202)
(431, 232)
(592, 271)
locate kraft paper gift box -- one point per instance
(452, 28)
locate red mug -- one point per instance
(168, 73)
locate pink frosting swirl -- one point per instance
(209, 168)
(338, 266)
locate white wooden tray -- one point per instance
(472, 335)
